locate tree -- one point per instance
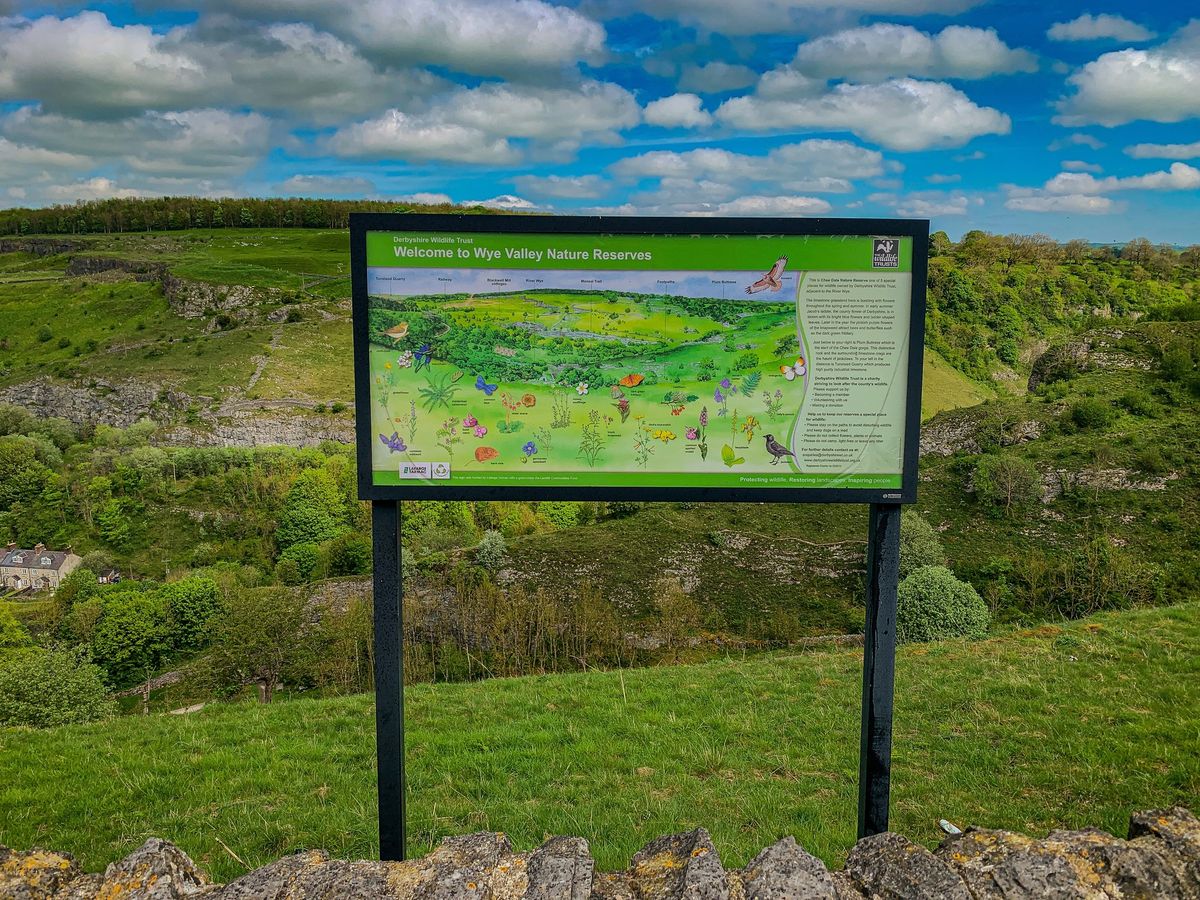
(679, 616)
(1007, 481)
(259, 638)
(191, 606)
(46, 688)
(314, 510)
(131, 636)
(22, 476)
(919, 544)
(13, 635)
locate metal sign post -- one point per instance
(879, 668)
(389, 676)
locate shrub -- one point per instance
(1006, 481)
(620, 508)
(52, 687)
(1151, 461)
(348, 554)
(919, 544)
(44, 334)
(1177, 364)
(559, 514)
(492, 552)
(1089, 413)
(302, 561)
(1138, 403)
(13, 635)
(933, 604)
(191, 606)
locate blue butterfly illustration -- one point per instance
(395, 443)
(423, 356)
(482, 385)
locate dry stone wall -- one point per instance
(1159, 859)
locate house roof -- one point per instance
(31, 560)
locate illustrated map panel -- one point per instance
(628, 360)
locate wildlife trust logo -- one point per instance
(885, 253)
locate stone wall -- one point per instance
(1159, 859)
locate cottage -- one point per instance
(38, 569)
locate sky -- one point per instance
(1073, 119)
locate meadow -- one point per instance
(1055, 726)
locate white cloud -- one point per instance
(1076, 140)
(424, 198)
(1064, 203)
(902, 114)
(19, 161)
(1161, 84)
(1104, 26)
(1079, 165)
(197, 142)
(324, 186)
(564, 186)
(1164, 151)
(475, 125)
(885, 50)
(504, 201)
(818, 158)
(92, 189)
(970, 157)
(87, 67)
(1179, 177)
(745, 17)
(397, 135)
(715, 77)
(940, 178)
(760, 205)
(929, 204)
(677, 111)
(481, 37)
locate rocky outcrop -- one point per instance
(200, 299)
(1095, 350)
(99, 402)
(1159, 859)
(38, 246)
(264, 430)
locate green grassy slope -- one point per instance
(1045, 728)
(943, 387)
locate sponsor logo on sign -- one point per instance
(441, 470)
(416, 470)
(885, 253)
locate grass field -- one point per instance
(943, 387)
(1052, 727)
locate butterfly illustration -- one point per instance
(793, 372)
(632, 380)
(395, 443)
(482, 385)
(677, 410)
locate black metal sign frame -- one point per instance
(883, 538)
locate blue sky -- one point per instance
(1068, 118)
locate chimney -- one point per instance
(39, 548)
(11, 547)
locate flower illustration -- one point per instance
(718, 396)
(387, 365)
(405, 359)
(692, 434)
(530, 448)
(581, 389)
(470, 422)
(480, 431)
(423, 356)
(704, 417)
(528, 400)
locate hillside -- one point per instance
(751, 749)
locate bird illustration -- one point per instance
(770, 281)
(777, 449)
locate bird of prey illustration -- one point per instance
(777, 450)
(770, 281)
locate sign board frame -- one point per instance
(917, 230)
(883, 533)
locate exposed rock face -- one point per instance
(1160, 859)
(100, 402)
(37, 246)
(1096, 350)
(264, 430)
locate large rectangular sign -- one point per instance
(715, 359)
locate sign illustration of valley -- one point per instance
(631, 360)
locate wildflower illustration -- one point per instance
(545, 439)
(529, 449)
(591, 442)
(422, 358)
(405, 360)
(560, 413)
(581, 389)
(703, 445)
(773, 402)
(643, 449)
(691, 433)
(479, 431)
(447, 436)
(623, 408)
(749, 427)
(469, 421)
(412, 420)
(730, 458)
(720, 398)
(510, 404)
(437, 392)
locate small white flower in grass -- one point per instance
(581, 388)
